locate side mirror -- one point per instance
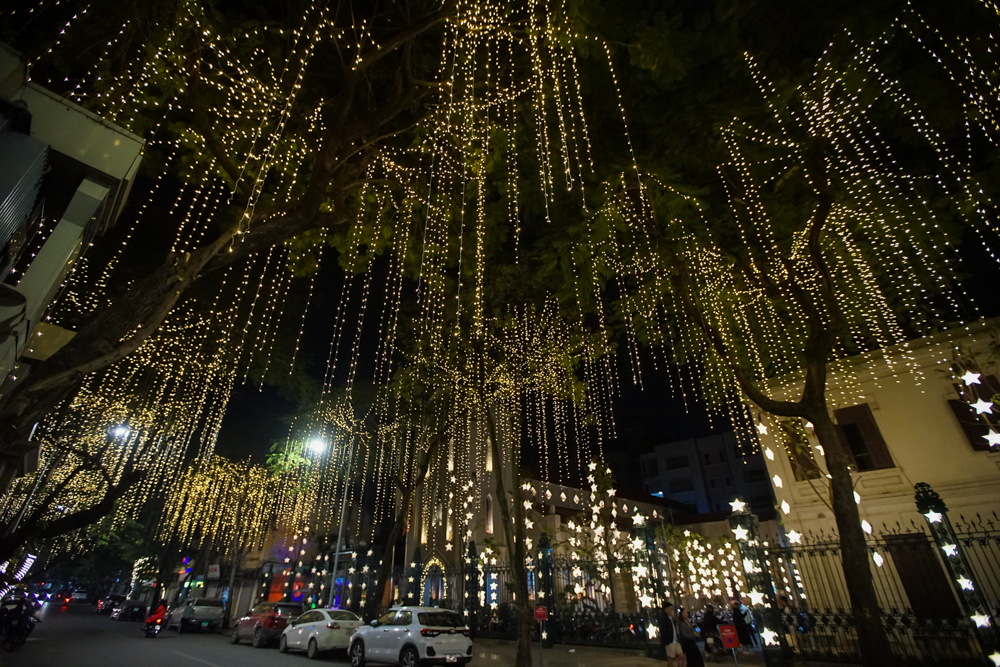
(374, 624)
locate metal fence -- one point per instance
(920, 610)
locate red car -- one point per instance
(263, 624)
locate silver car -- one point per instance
(196, 614)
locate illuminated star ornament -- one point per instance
(996, 659)
(970, 378)
(768, 637)
(762, 428)
(950, 549)
(740, 533)
(738, 505)
(756, 598)
(933, 517)
(993, 438)
(981, 620)
(983, 407)
(965, 584)
(794, 537)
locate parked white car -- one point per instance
(319, 630)
(412, 636)
(196, 614)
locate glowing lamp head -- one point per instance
(120, 431)
(316, 446)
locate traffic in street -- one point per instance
(74, 634)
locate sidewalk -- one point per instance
(500, 653)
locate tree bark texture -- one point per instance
(855, 557)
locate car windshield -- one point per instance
(440, 619)
(343, 616)
(288, 609)
(205, 602)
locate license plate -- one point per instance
(451, 658)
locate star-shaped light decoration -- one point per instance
(981, 620)
(983, 407)
(933, 517)
(965, 584)
(970, 378)
(865, 526)
(794, 537)
(857, 498)
(740, 533)
(950, 549)
(593, 466)
(449, 546)
(996, 659)
(545, 635)
(877, 557)
(777, 481)
(769, 454)
(762, 428)
(756, 598)
(768, 637)
(637, 519)
(738, 505)
(785, 507)
(993, 438)
(527, 504)
(646, 600)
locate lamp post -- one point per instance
(340, 525)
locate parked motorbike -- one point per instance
(152, 629)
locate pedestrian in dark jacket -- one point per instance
(740, 621)
(669, 639)
(689, 640)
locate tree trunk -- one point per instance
(872, 639)
(515, 534)
(385, 564)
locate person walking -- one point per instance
(669, 638)
(689, 640)
(740, 623)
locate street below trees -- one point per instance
(77, 636)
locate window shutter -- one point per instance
(974, 428)
(861, 415)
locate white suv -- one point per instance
(412, 636)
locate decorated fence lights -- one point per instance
(470, 597)
(930, 504)
(746, 531)
(545, 591)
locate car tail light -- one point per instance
(429, 633)
(333, 626)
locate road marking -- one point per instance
(191, 657)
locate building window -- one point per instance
(677, 462)
(762, 502)
(650, 468)
(976, 426)
(751, 475)
(861, 436)
(681, 485)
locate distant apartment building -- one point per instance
(705, 474)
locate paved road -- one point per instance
(75, 636)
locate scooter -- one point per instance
(152, 629)
(16, 623)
